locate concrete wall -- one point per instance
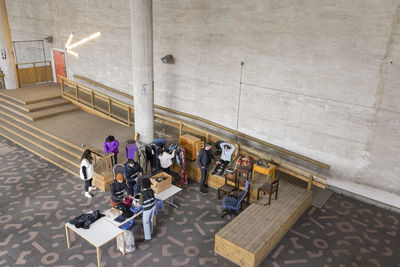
(320, 78)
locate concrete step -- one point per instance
(28, 130)
(9, 101)
(54, 111)
(8, 114)
(31, 101)
(42, 143)
(46, 104)
(40, 148)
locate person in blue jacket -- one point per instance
(133, 172)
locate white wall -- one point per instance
(320, 78)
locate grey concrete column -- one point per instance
(7, 64)
(142, 68)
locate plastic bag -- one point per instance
(129, 242)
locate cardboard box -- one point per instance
(158, 187)
(102, 180)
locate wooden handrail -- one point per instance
(36, 62)
(310, 177)
(214, 124)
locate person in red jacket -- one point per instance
(111, 146)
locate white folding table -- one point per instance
(169, 193)
(100, 232)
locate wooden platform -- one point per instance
(34, 93)
(251, 236)
(215, 181)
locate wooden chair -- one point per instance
(227, 188)
(243, 171)
(231, 205)
(242, 183)
(269, 189)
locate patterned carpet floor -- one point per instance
(37, 198)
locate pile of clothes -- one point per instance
(85, 220)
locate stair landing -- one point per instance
(34, 93)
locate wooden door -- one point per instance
(59, 64)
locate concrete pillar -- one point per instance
(142, 68)
(7, 64)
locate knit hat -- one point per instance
(146, 183)
(120, 177)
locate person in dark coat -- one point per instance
(204, 159)
(117, 189)
(133, 172)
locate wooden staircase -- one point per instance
(39, 109)
(17, 124)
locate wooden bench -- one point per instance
(250, 237)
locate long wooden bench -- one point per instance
(250, 237)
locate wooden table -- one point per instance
(100, 232)
(270, 171)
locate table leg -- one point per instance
(98, 257)
(268, 178)
(155, 220)
(67, 234)
(252, 177)
(117, 242)
(171, 202)
(123, 244)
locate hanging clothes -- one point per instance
(140, 157)
(183, 167)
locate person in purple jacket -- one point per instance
(111, 146)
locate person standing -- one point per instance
(166, 160)
(86, 172)
(133, 172)
(147, 200)
(117, 189)
(226, 155)
(111, 146)
(204, 159)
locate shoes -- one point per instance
(147, 241)
(92, 188)
(88, 195)
(204, 191)
(214, 172)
